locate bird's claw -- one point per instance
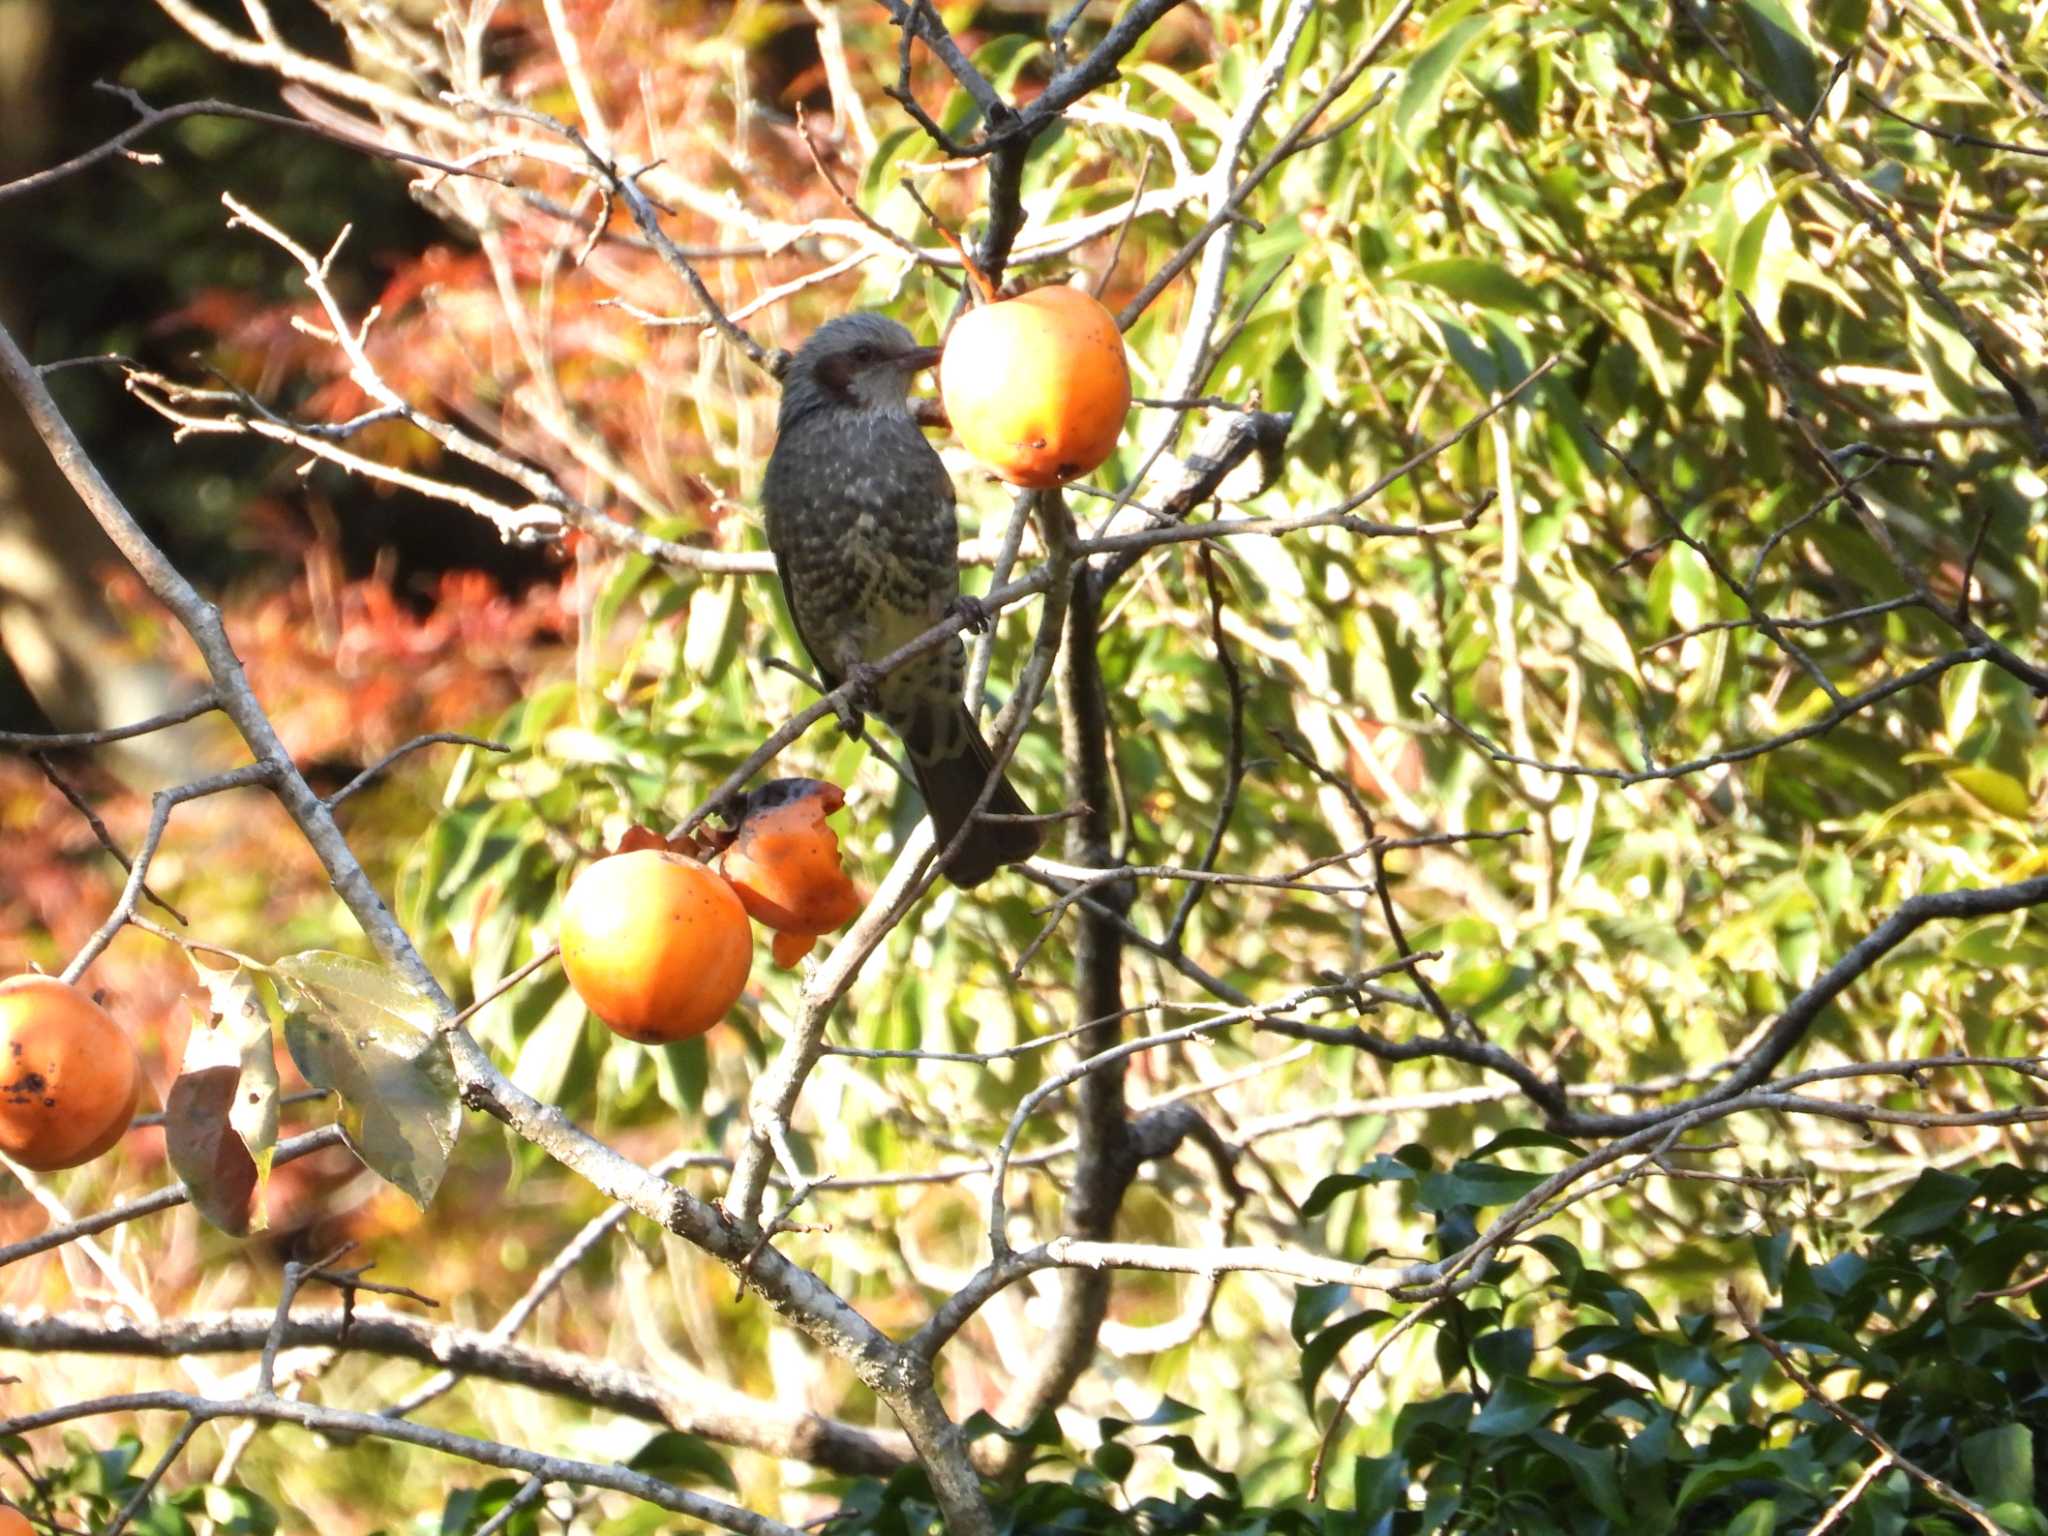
(852, 722)
(862, 682)
(972, 609)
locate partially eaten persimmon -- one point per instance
(784, 863)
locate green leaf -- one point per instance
(1526, 1136)
(1313, 1305)
(1592, 1469)
(1114, 1461)
(1317, 1354)
(683, 1069)
(361, 1032)
(1430, 76)
(469, 1509)
(2000, 1464)
(549, 1049)
(1184, 93)
(1169, 1411)
(1784, 56)
(675, 1457)
(1999, 791)
(711, 636)
(1517, 1406)
(880, 177)
(1379, 1171)
(1933, 1201)
(1043, 1430)
(1319, 335)
(1476, 1184)
(1466, 278)
(2019, 1517)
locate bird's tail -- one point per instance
(952, 762)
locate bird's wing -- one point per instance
(796, 515)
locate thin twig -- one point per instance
(1856, 1426)
(433, 738)
(191, 709)
(157, 117)
(99, 829)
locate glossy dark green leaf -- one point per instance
(2000, 1464)
(1517, 1406)
(675, 1457)
(1782, 55)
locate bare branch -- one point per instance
(696, 1407)
(165, 1199)
(434, 738)
(191, 709)
(1854, 704)
(99, 828)
(156, 117)
(269, 1408)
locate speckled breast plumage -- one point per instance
(861, 518)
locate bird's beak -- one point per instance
(920, 359)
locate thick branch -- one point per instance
(698, 1407)
(1103, 1166)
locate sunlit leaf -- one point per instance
(1475, 282)
(359, 1031)
(1783, 56)
(221, 1116)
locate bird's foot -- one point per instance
(972, 609)
(863, 682)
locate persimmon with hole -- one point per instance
(1037, 387)
(69, 1075)
(784, 862)
(655, 944)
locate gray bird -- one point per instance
(861, 521)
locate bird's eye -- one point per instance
(864, 353)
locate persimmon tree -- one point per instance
(1540, 715)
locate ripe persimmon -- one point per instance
(1037, 387)
(69, 1075)
(14, 1523)
(655, 944)
(783, 861)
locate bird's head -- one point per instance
(859, 362)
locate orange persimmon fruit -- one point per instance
(784, 862)
(14, 1523)
(655, 944)
(1037, 387)
(70, 1077)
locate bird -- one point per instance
(860, 518)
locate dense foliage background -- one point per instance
(1784, 265)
